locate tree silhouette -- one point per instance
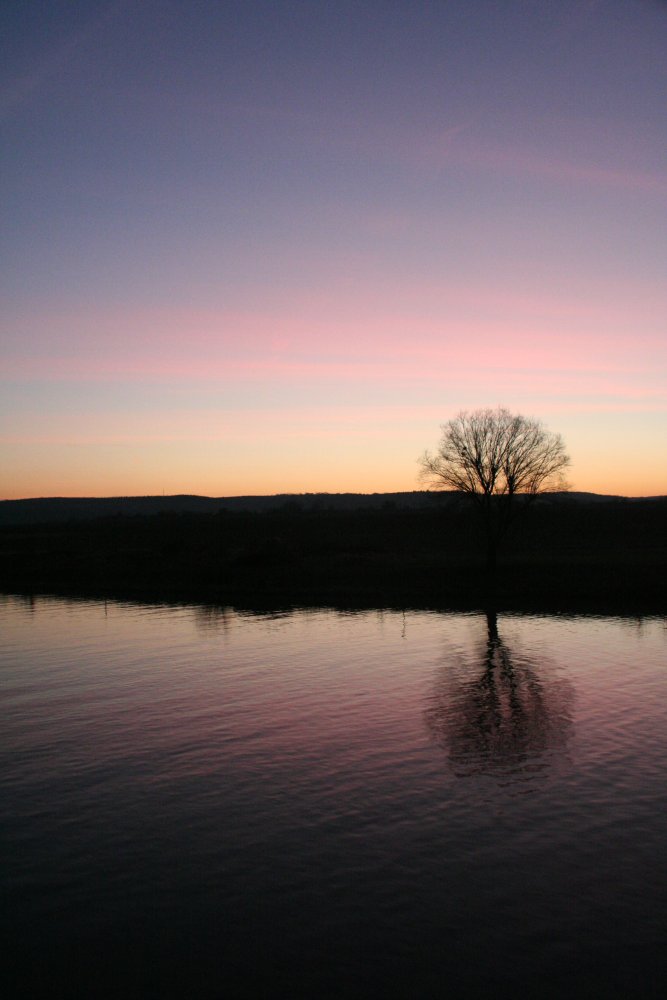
(501, 461)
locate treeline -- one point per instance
(612, 556)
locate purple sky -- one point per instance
(265, 247)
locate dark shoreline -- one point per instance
(574, 558)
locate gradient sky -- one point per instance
(262, 247)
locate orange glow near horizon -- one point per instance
(190, 467)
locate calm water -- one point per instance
(211, 803)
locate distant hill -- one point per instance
(49, 510)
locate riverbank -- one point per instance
(611, 557)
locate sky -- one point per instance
(265, 247)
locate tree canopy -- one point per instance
(496, 453)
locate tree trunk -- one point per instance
(491, 555)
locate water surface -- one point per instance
(319, 803)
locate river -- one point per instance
(210, 802)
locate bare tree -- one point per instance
(496, 457)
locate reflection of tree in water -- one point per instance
(508, 719)
(214, 618)
(27, 602)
